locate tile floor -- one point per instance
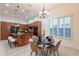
(26, 50)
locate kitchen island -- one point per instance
(22, 39)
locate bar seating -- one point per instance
(35, 48)
(53, 48)
(11, 41)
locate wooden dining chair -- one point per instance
(53, 48)
(34, 37)
(35, 48)
(50, 36)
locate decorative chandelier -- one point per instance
(43, 13)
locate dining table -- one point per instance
(45, 43)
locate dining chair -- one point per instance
(35, 48)
(34, 37)
(51, 37)
(53, 48)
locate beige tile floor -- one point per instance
(26, 50)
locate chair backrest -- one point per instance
(33, 47)
(34, 37)
(50, 36)
(57, 46)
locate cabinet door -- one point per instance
(0, 30)
(3, 30)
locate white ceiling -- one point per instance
(26, 10)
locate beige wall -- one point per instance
(73, 11)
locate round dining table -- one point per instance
(45, 43)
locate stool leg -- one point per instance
(31, 53)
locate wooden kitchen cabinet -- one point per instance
(22, 39)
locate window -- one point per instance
(55, 25)
(50, 23)
(67, 25)
(62, 27)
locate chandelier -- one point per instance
(43, 13)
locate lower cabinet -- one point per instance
(22, 39)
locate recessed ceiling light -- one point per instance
(8, 5)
